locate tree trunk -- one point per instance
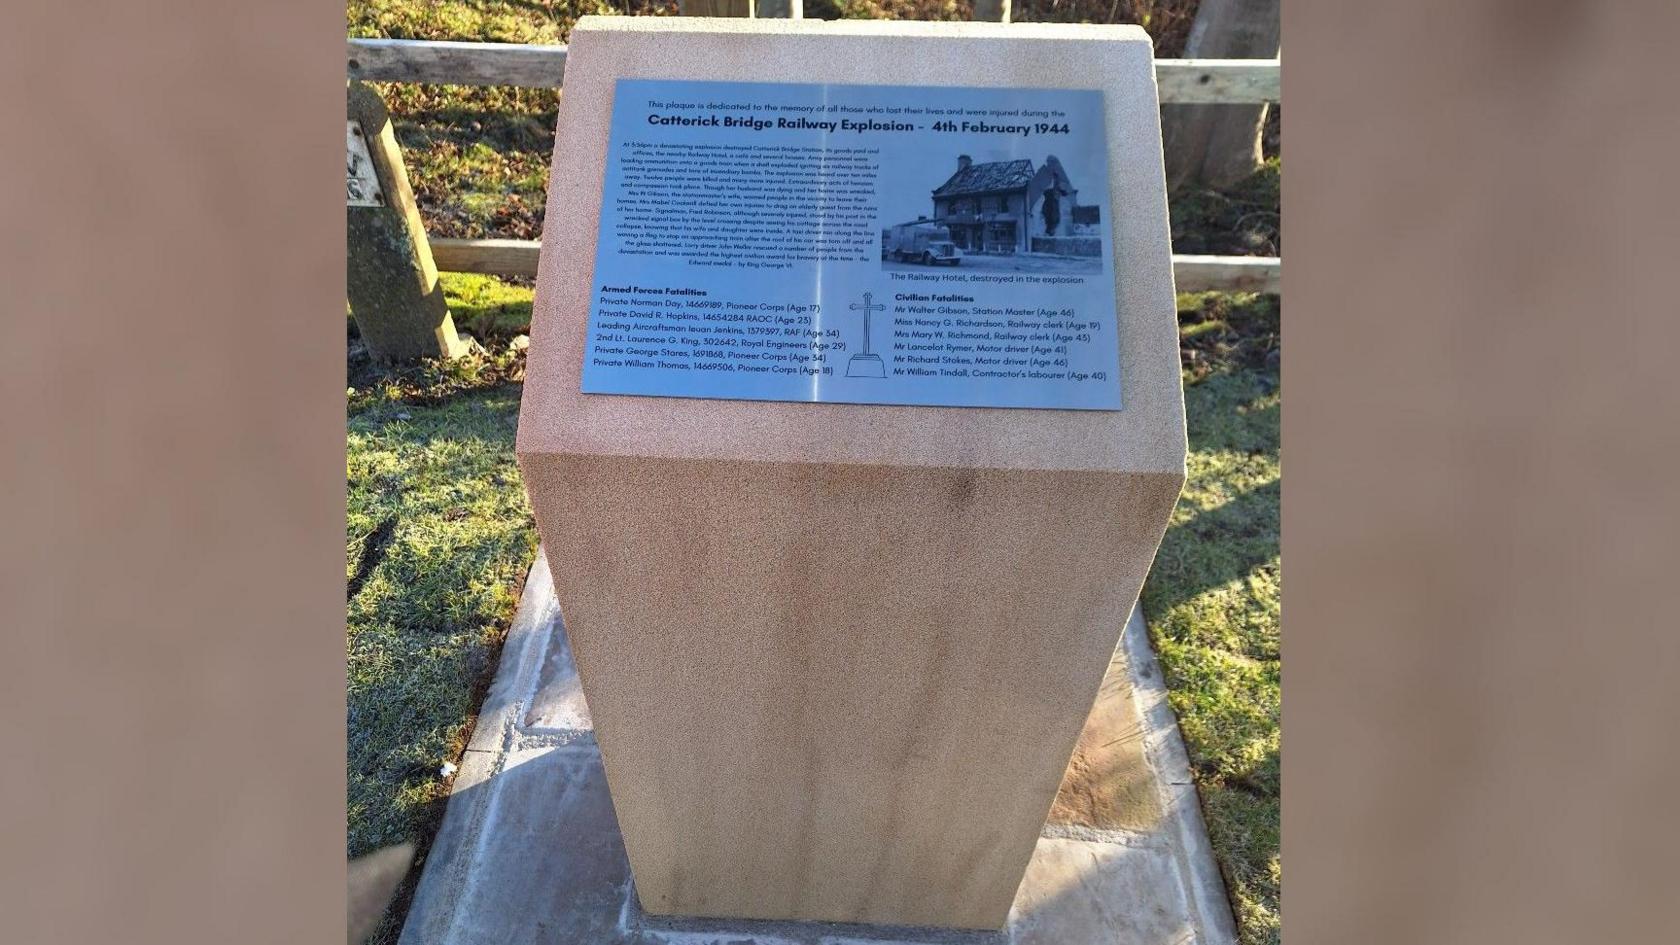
(1218, 145)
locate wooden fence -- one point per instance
(1181, 82)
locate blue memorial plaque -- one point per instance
(863, 244)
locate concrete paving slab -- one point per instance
(557, 705)
(529, 641)
(530, 851)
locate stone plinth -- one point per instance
(838, 656)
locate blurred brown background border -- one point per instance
(1480, 511)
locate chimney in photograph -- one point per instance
(963, 161)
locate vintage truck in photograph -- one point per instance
(927, 243)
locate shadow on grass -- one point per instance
(1216, 547)
(373, 552)
(1233, 426)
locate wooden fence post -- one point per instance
(992, 11)
(715, 7)
(390, 278)
(1218, 145)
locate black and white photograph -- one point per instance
(1000, 213)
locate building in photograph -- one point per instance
(1002, 206)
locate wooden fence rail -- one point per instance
(1190, 273)
(1181, 81)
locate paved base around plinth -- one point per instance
(530, 852)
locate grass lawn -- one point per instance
(437, 540)
(1212, 597)
(438, 534)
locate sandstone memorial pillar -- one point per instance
(839, 630)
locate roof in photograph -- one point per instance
(986, 178)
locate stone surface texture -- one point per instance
(530, 852)
(837, 657)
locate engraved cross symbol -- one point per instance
(867, 307)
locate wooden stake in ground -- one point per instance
(715, 7)
(1218, 145)
(390, 278)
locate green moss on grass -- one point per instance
(1243, 220)
(486, 307)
